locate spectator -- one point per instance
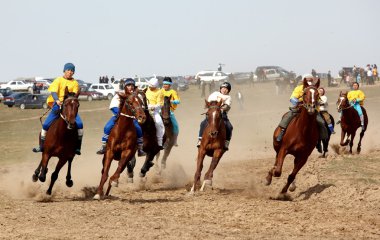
(329, 78)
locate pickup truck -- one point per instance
(18, 85)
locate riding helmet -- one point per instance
(129, 81)
(167, 80)
(226, 85)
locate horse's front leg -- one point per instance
(352, 141)
(210, 173)
(342, 136)
(126, 156)
(69, 182)
(197, 175)
(54, 175)
(360, 141)
(44, 169)
(36, 172)
(107, 159)
(130, 166)
(148, 162)
(299, 161)
(271, 171)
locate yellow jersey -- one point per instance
(297, 93)
(174, 96)
(356, 94)
(59, 85)
(155, 97)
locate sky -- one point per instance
(125, 38)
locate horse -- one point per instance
(350, 121)
(150, 144)
(212, 144)
(300, 138)
(122, 142)
(323, 145)
(60, 142)
(169, 136)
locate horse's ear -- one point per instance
(220, 103)
(318, 83)
(206, 103)
(66, 91)
(145, 90)
(305, 84)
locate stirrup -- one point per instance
(102, 150)
(338, 122)
(198, 143)
(37, 149)
(141, 153)
(279, 137)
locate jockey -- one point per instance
(114, 107)
(356, 98)
(155, 99)
(55, 101)
(222, 95)
(295, 99)
(323, 107)
(167, 91)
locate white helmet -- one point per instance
(309, 78)
(153, 82)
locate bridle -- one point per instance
(129, 107)
(339, 108)
(310, 107)
(218, 108)
(62, 112)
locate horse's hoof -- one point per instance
(206, 184)
(69, 183)
(96, 197)
(114, 183)
(42, 178)
(48, 192)
(34, 178)
(292, 188)
(142, 175)
(130, 180)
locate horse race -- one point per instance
(155, 132)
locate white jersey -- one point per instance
(115, 102)
(218, 96)
(323, 104)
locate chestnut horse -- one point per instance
(150, 147)
(212, 144)
(169, 135)
(350, 121)
(300, 137)
(122, 142)
(60, 142)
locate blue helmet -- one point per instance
(226, 85)
(130, 81)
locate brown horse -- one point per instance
(350, 121)
(212, 144)
(122, 142)
(151, 147)
(299, 139)
(60, 142)
(169, 136)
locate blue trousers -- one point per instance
(358, 108)
(111, 123)
(175, 123)
(54, 114)
(227, 123)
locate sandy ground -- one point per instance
(336, 198)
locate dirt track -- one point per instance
(336, 198)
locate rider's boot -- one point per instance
(102, 149)
(226, 144)
(199, 142)
(140, 151)
(41, 147)
(78, 145)
(279, 137)
(331, 128)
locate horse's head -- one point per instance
(165, 110)
(70, 108)
(342, 102)
(310, 95)
(214, 117)
(133, 106)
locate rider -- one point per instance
(55, 100)
(221, 95)
(356, 98)
(323, 107)
(155, 100)
(174, 100)
(114, 107)
(295, 99)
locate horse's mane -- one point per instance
(211, 103)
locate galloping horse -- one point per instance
(151, 147)
(300, 137)
(325, 143)
(60, 142)
(169, 135)
(350, 121)
(122, 142)
(212, 144)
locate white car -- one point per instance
(273, 74)
(107, 89)
(209, 76)
(141, 83)
(18, 85)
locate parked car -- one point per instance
(180, 83)
(83, 83)
(11, 99)
(32, 101)
(43, 82)
(141, 82)
(209, 76)
(106, 89)
(6, 92)
(18, 85)
(243, 77)
(1, 97)
(265, 73)
(88, 95)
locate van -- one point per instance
(105, 88)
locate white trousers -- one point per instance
(159, 127)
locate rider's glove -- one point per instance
(176, 102)
(294, 101)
